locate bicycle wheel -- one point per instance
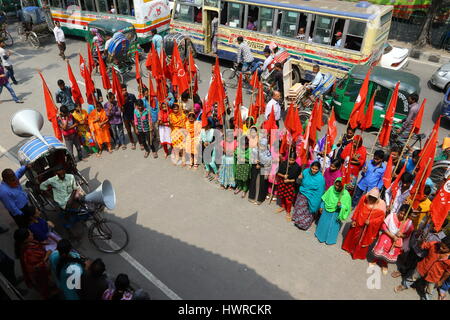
(440, 171)
(230, 77)
(9, 41)
(21, 32)
(34, 40)
(108, 236)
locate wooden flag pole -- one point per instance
(191, 93)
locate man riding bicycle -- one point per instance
(245, 56)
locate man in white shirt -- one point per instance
(264, 69)
(318, 78)
(339, 40)
(60, 39)
(274, 103)
(4, 56)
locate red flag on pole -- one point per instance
(440, 206)
(149, 59)
(270, 124)
(387, 176)
(220, 90)
(105, 78)
(395, 184)
(76, 93)
(89, 84)
(179, 77)
(254, 81)
(292, 122)
(91, 62)
(238, 124)
(52, 111)
(192, 68)
(157, 71)
(260, 101)
(117, 89)
(389, 118)
(367, 122)
(418, 121)
(138, 69)
(331, 132)
(165, 67)
(357, 113)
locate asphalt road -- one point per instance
(199, 241)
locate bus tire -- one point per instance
(296, 75)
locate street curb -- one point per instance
(416, 54)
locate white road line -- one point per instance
(139, 267)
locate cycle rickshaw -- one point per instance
(45, 155)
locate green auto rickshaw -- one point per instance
(120, 53)
(346, 91)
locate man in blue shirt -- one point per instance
(372, 176)
(14, 198)
(157, 41)
(64, 95)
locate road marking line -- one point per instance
(139, 267)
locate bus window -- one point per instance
(235, 15)
(87, 5)
(265, 20)
(72, 4)
(103, 6)
(123, 7)
(355, 35)
(55, 3)
(184, 13)
(288, 23)
(252, 19)
(211, 3)
(322, 30)
(338, 28)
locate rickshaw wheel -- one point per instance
(34, 40)
(108, 236)
(21, 32)
(440, 171)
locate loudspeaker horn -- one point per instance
(104, 194)
(27, 123)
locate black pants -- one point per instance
(255, 175)
(71, 141)
(7, 268)
(409, 263)
(154, 137)
(144, 140)
(62, 49)
(10, 70)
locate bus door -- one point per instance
(210, 29)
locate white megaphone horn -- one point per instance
(104, 194)
(27, 123)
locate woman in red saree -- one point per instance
(33, 259)
(366, 223)
(353, 156)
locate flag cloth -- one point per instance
(357, 113)
(91, 62)
(386, 128)
(387, 176)
(117, 89)
(138, 69)
(331, 132)
(179, 76)
(50, 107)
(237, 105)
(150, 57)
(156, 68)
(105, 79)
(260, 100)
(220, 90)
(89, 84)
(418, 121)
(151, 88)
(166, 69)
(292, 122)
(395, 185)
(367, 122)
(254, 81)
(440, 206)
(191, 65)
(315, 122)
(76, 93)
(270, 124)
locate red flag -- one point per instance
(387, 176)
(192, 68)
(165, 67)
(316, 122)
(179, 77)
(346, 173)
(292, 122)
(91, 61)
(440, 206)
(138, 69)
(270, 124)
(105, 78)
(331, 132)
(260, 101)
(418, 121)
(357, 113)
(395, 185)
(151, 89)
(216, 94)
(195, 88)
(157, 71)
(389, 118)
(89, 84)
(76, 93)
(52, 111)
(149, 59)
(237, 105)
(117, 89)
(254, 81)
(367, 122)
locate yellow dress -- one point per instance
(177, 123)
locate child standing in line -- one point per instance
(226, 171)
(243, 166)
(142, 120)
(193, 128)
(164, 128)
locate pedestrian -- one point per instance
(395, 155)
(14, 198)
(366, 223)
(209, 150)
(152, 105)
(227, 168)
(68, 127)
(334, 209)
(121, 290)
(157, 41)
(33, 260)
(99, 125)
(164, 128)
(193, 128)
(60, 39)
(114, 115)
(94, 281)
(84, 133)
(395, 232)
(407, 123)
(394, 201)
(277, 80)
(274, 104)
(288, 173)
(260, 172)
(142, 120)
(332, 173)
(4, 83)
(412, 162)
(177, 121)
(344, 141)
(243, 166)
(4, 55)
(354, 156)
(64, 95)
(431, 271)
(423, 210)
(128, 115)
(307, 204)
(371, 176)
(64, 262)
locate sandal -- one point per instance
(142, 148)
(133, 147)
(124, 148)
(279, 210)
(399, 288)
(288, 217)
(396, 274)
(237, 191)
(146, 154)
(244, 195)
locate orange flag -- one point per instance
(166, 69)
(387, 176)
(220, 91)
(292, 122)
(52, 111)
(418, 121)
(105, 79)
(260, 101)
(237, 105)
(367, 122)
(157, 71)
(117, 89)
(389, 118)
(76, 93)
(357, 113)
(91, 62)
(254, 81)
(440, 206)
(270, 124)
(331, 132)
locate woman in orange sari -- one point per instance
(193, 128)
(99, 125)
(366, 223)
(81, 116)
(177, 122)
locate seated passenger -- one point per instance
(65, 189)
(318, 78)
(41, 230)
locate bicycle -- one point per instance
(231, 76)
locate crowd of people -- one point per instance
(240, 154)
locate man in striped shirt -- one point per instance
(245, 56)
